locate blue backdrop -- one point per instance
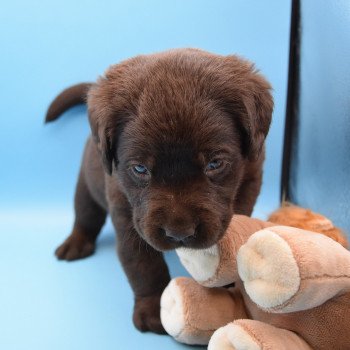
(320, 172)
(46, 46)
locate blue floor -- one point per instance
(49, 304)
(45, 46)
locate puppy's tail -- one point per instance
(68, 98)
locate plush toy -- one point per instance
(306, 219)
(291, 291)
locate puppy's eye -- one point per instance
(214, 165)
(140, 169)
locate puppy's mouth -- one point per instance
(206, 234)
(197, 241)
(163, 243)
(186, 242)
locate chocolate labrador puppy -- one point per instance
(177, 148)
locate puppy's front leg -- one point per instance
(146, 270)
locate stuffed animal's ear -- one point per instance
(248, 98)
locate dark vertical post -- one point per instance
(292, 98)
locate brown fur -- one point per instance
(173, 112)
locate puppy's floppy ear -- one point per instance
(112, 103)
(106, 121)
(256, 120)
(101, 133)
(252, 103)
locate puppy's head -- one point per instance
(177, 130)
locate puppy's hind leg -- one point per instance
(89, 219)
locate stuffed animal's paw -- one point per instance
(184, 320)
(232, 337)
(268, 269)
(247, 334)
(172, 310)
(202, 264)
(147, 314)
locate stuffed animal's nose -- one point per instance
(180, 235)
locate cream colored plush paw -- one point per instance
(268, 269)
(202, 264)
(172, 310)
(232, 337)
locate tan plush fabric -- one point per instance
(294, 216)
(232, 336)
(206, 309)
(268, 269)
(315, 316)
(239, 230)
(324, 268)
(270, 337)
(323, 328)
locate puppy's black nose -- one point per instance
(180, 235)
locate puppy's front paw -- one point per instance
(75, 247)
(147, 314)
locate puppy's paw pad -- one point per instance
(73, 249)
(146, 315)
(232, 337)
(267, 266)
